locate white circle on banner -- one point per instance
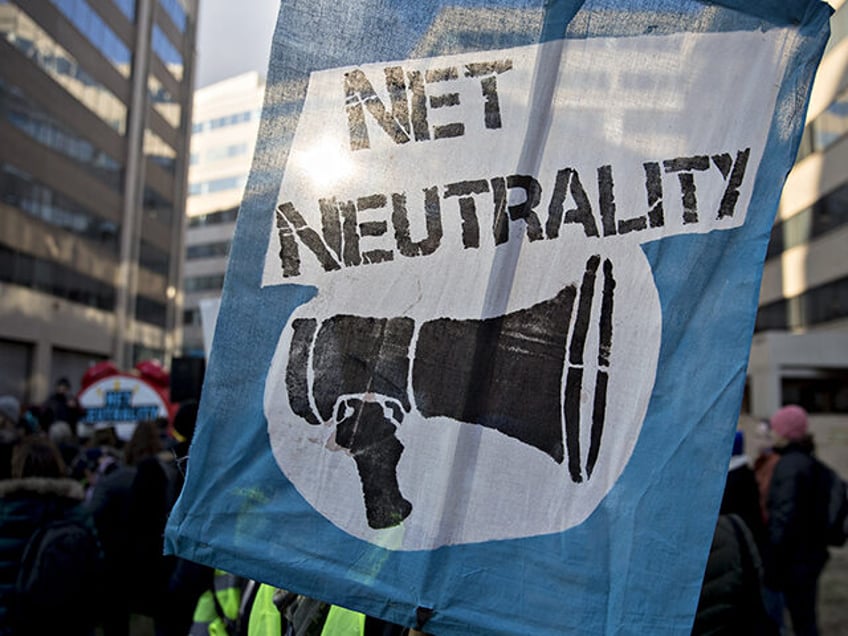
(464, 482)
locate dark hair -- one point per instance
(143, 444)
(37, 457)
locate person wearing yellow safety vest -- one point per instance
(276, 612)
(218, 609)
(273, 615)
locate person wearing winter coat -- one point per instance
(796, 525)
(731, 600)
(37, 496)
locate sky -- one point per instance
(233, 38)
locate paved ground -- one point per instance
(833, 603)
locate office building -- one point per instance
(226, 119)
(800, 348)
(95, 110)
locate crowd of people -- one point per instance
(771, 540)
(82, 516)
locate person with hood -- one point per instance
(50, 559)
(796, 524)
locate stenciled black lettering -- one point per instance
(568, 181)
(331, 226)
(467, 208)
(359, 91)
(351, 256)
(488, 72)
(432, 216)
(731, 191)
(606, 189)
(290, 224)
(654, 189)
(606, 200)
(685, 168)
(420, 125)
(373, 228)
(623, 226)
(431, 76)
(525, 211)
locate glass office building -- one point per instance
(95, 112)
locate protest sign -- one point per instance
(483, 338)
(113, 399)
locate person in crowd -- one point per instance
(119, 503)
(766, 460)
(733, 598)
(50, 560)
(796, 528)
(731, 601)
(131, 505)
(10, 410)
(741, 494)
(188, 581)
(63, 437)
(62, 406)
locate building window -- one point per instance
(167, 52)
(127, 7)
(152, 258)
(164, 103)
(826, 129)
(832, 124)
(825, 215)
(34, 121)
(226, 152)
(231, 120)
(157, 208)
(98, 33)
(217, 185)
(151, 311)
(208, 250)
(21, 191)
(159, 152)
(214, 218)
(55, 279)
(815, 306)
(204, 283)
(141, 352)
(176, 12)
(191, 317)
(31, 40)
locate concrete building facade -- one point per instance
(95, 112)
(226, 120)
(800, 348)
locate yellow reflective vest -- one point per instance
(207, 620)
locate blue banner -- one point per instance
(484, 331)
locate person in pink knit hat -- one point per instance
(796, 525)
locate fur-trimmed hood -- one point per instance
(69, 488)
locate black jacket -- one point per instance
(25, 506)
(731, 602)
(796, 521)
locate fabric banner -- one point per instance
(484, 332)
